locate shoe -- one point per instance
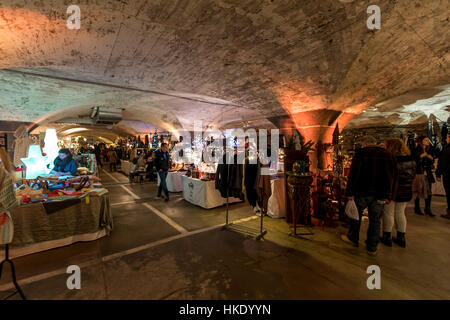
(400, 240)
(372, 253)
(428, 207)
(417, 208)
(446, 216)
(386, 239)
(158, 197)
(166, 198)
(345, 238)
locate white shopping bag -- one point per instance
(351, 210)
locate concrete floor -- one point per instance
(148, 257)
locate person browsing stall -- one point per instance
(64, 164)
(162, 164)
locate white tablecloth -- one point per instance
(203, 193)
(125, 166)
(173, 181)
(276, 207)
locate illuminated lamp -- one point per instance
(35, 163)
(51, 146)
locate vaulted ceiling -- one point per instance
(171, 62)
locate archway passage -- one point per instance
(171, 64)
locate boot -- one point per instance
(386, 239)
(428, 207)
(446, 216)
(417, 207)
(400, 240)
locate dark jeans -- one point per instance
(111, 165)
(375, 212)
(162, 184)
(446, 181)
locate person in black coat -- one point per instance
(162, 164)
(443, 170)
(424, 179)
(371, 184)
(395, 211)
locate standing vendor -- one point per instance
(64, 164)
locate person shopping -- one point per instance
(113, 159)
(371, 184)
(64, 164)
(443, 173)
(395, 211)
(424, 176)
(162, 164)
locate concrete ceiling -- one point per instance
(171, 62)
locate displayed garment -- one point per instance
(229, 179)
(250, 176)
(264, 188)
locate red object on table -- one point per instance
(55, 193)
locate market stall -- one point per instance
(203, 193)
(46, 225)
(174, 181)
(56, 210)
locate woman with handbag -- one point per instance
(423, 155)
(395, 210)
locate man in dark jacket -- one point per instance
(371, 184)
(443, 170)
(162, 164)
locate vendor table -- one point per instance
(125, 166)
(173, 181)
(44, 226)
(276, 206)
(203, 193)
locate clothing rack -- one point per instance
(253, 232)
(13, 273)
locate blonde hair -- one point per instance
(397, 147)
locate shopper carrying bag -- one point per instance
(351, 210)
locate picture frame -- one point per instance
(3, 142)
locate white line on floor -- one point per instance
(165, 218)
(134, 195)
(120, 203)
(110, 175)
(157, 212)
